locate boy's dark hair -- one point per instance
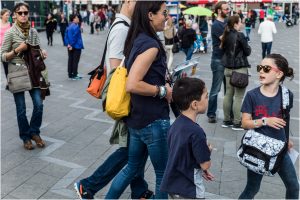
(186, 90)
(282, 63)
(18, 5)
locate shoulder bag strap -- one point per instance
(101, 66)
(284, 92)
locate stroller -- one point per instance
(288, 21)
(199, 44)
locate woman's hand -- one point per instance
(21, 47)
(275, 122)
(169, 93)
(207, 175)
(44, 52)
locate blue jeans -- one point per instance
(217, 69)
(287, 174)
(109, 169)
(153, 140)
(26, 130)
(248, 31)
(188, 52)
(266, 48)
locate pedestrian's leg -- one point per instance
(37, 113)
(158, 152)
(70, 63)
(51, 38)
(238, 99)
(48, 37)
(137, 152)
(63, 37)
(189, 53)
(218, 76)
(21, 116)
(268, 47)
(253, 185)
(106, 172)
(288, 175)
(77, 53)
(228, 98)
(264, 49)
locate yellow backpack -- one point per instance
(117, 99)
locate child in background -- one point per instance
(189, 152)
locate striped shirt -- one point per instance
(13, 38)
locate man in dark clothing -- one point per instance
(188, 38)
(222, 9)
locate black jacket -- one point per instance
(236, 50)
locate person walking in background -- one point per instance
(272, 71)
(261, 15)
(13, 46)
(236, 50)
(217, 68)
(150, 97)
(188, 36)
(63, 24)
(253, 18)
(50, 24)
(74, 43)
(169, 34)
(189, 153)
(92, 21)
(203, 27)
(4, 27)
(248, 23)
(266, 29)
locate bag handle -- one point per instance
(101, 66)
(284, 110)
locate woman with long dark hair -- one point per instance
(236, 51)
(14, 45)
(149, 120)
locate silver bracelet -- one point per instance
(162, 91)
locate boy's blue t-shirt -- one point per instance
(259, 106)
(188, 148)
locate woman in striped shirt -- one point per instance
(13, 45)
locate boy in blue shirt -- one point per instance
(189, 152)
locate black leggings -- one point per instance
(5, 66)
(49, 37)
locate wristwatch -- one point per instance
(264, 121)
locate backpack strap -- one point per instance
(101, 66)
(286, 104)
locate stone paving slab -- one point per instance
(77, 131)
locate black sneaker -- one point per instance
(227, 124)
(237, 127)
(147, 195)
(212, 119)
(81, 192)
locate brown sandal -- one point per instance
(38, 140)
(28, 145)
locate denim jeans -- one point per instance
(217, 69)
(153, 140)
(266, 48)
(26, 130)
(287, 174)
(188, 52)
(248, 31)
(109, 169)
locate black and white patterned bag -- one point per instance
(260, 153)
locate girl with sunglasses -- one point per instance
(14, 45)
(262, 111)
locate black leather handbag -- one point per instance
(239, 80)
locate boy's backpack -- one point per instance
(260, 153)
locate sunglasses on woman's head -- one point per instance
(21, 13)
(266, 68)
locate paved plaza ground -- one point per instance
(77, 131)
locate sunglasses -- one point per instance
(21, 13)
(266, 68)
